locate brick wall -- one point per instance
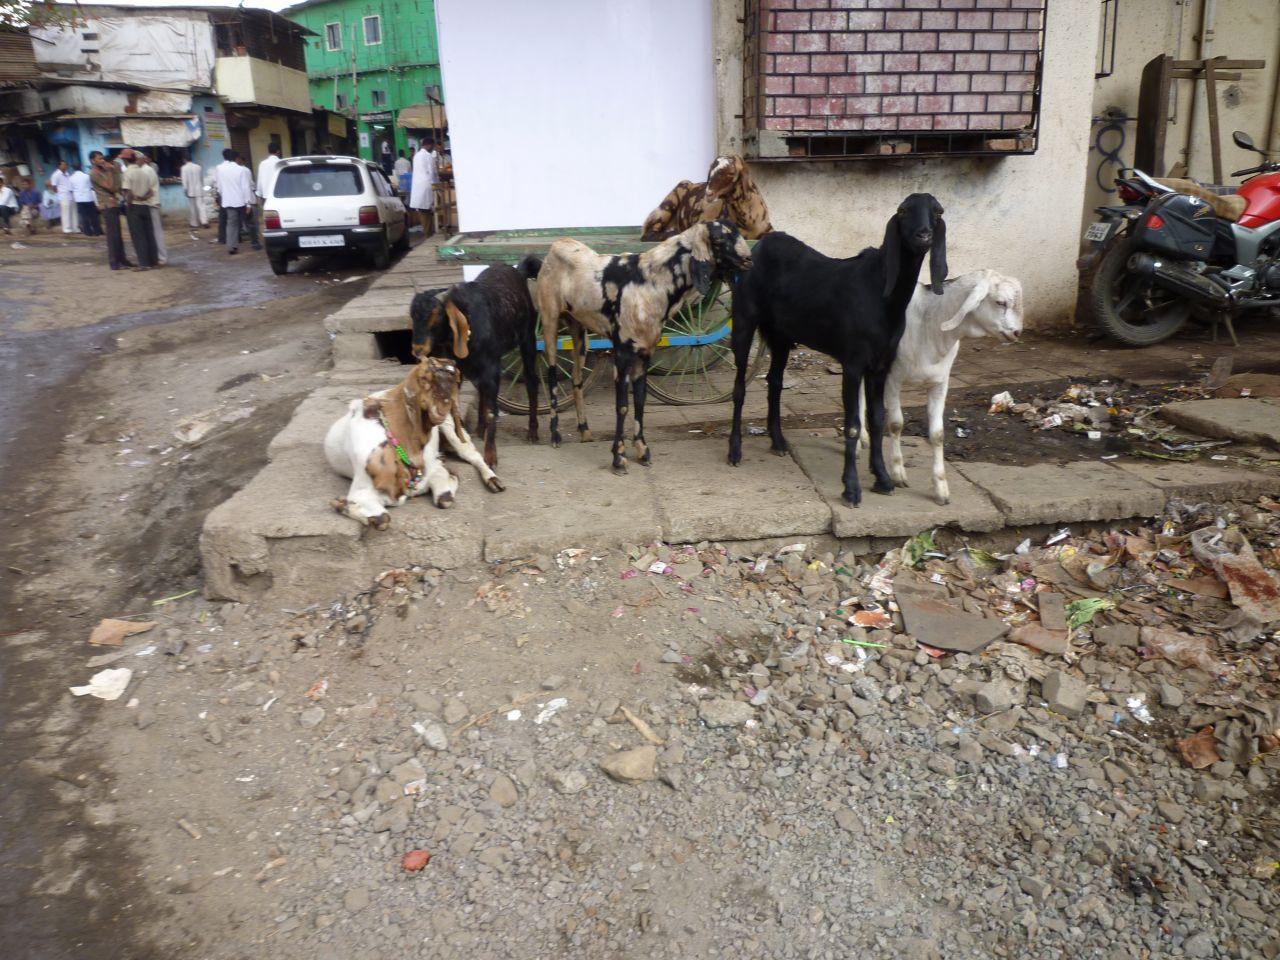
(876, 66)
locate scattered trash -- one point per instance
(190, 828)
(415, 860)
(177, 596)
(318, 689)
(1138, 709)
(915, 549)
(193, 430)
(1199, 750)
(1001, 402)
(550, 709)
(513, 715)
(642, 728)
(1080, 612)
(1183, 649)
(106, 684)
(872, 619)
(111, 633)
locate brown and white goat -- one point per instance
(388, 443)
(628, 298)
(729, 194)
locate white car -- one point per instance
(324, 203)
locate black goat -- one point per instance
(476, 323)
(853, 310)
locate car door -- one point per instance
(389, 205)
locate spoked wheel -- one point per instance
(513, 396)
(1129, 308)
(700, 369)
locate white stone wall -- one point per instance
(1019, 215)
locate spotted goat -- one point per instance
(388, 443)
(729, 194)
(627, 298)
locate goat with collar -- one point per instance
(973, 305)
(729, 193)
(628, 298)
(388, 443)
(853, 310)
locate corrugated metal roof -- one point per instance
(17, 59)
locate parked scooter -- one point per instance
(1165, 255)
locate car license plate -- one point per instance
(323, 240)
(1097, 231)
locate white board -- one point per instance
(575, 113)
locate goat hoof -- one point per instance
(885, 488)
(780, 450)
(445, 501)
(942, 501)
(339, 504)
(533, 436)
(555, 438)
(381, 521)
(852, 499)
(620, 467)
(585, 436)
(494, 484)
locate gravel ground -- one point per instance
(781, 792)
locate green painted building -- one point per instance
(378, 62)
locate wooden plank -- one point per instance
(1153, 116)
(1198, 75)
(1211, 100)
(1222, 62)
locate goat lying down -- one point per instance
(729, 193)
(388, 443)
(628, 298)
(973, 305)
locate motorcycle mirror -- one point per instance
(1244, 141)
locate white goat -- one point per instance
(978, 304)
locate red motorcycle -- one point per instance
(1165, 256)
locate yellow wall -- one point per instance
(250, 80)
(260, 138)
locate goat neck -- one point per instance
(402, 416)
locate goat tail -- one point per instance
(529, 267)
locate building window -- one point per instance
(825, 82)
(333, 36)
(379, 98)
(431, 93)
(372, 31)
(340, 101)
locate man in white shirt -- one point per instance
(193, 186)
(422, 189)
(60, 184)
(235, 190)
(86, 209)
(266, 179)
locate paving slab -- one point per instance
(1064, 493)
(566, 497)
(904, 513)
(947, 626)
(701, 497)
(1248, 420)
(1204, 481)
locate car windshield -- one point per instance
(319, 180)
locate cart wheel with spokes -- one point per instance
(699, 367)
(513, 396)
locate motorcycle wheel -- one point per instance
(1129, 309)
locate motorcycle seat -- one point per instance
(1228, 207)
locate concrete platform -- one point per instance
(906, 511)
(1249, 420)
(1065, 493)
(280, 537)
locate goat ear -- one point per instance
(938, 256)
(891, 250)
(461, 329)
(975, 297)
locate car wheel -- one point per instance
(279, 265)
(382, 256)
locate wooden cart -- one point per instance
(694, 361)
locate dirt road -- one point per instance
(102, 509)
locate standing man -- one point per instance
(86, 209)
(422, 192)
(8, 204)
(157, 222)
(142, 190)
(193, 186)
(60, 184)
(29, 206)
(107, 188)
(266, 180)
(388, 161)
(235, 188)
